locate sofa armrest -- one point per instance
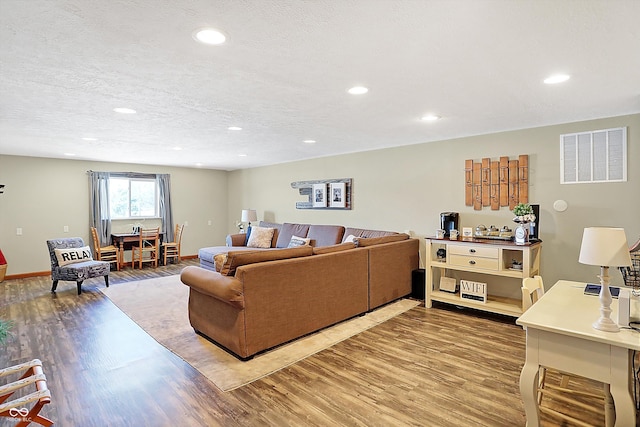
(224, 288)
(236, 239)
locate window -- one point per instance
(598, 156)
(133, 198)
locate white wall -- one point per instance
(406, 189)
(41, 196)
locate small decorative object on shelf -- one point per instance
(240, 226)
(523, 216)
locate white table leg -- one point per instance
(625, 412)
(529, 381)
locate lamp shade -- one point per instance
(249, 215)
(606, 247)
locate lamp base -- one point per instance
(606, 324)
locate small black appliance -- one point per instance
(448, 222)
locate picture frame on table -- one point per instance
(337, 195)
(319, 195)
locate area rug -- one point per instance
(159, 307)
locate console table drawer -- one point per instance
(475, 251)
(474, 261)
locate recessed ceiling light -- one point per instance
(358, 90)
(309, 141)
(199, 165)
(557, 78)
(69, 154)
(234, 128)
(209, 36)
(123, 110)
(242, 155)
(89, 139)
(177, 148)
(429, 118)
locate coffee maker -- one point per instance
(448, 222)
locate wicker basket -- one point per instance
(631, 275)
(3, 271)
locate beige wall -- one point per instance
(407, 188)
(43, 195)
(394, 189)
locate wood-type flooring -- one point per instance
(438, 367)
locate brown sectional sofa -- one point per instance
(262, 298)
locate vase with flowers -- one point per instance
(523, 216)
(3, 266)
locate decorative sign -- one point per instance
(476, 291)
(325, 193)
(496, 183)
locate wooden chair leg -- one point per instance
(54, 286)
(80, 286)
(106, 280)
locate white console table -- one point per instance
(489, 257)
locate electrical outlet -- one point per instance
(19, 231)
(186, 223)
(66, 229)
(209, 222)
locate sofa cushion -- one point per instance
(219, 260)
(370, 241)
(288, 230)
(325, 235)
(236, 259)
(333, 248)
(361, 232)
(298, 241)
(277, 227)
(260, 237)
(66, 256)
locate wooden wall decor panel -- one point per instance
(504, 181)
(495, 186)
(306, 189)
(468, 182)
(477, 187)
(513, 183)
(486, 182)
(496, 183)
(523, 178)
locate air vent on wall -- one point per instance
(598, 156)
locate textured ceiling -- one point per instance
(283, 74)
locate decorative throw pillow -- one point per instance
(260, 237)
(350, 238)
(219, 260)
(298, 241)
(72, 255)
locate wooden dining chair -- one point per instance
(148, 247)
(532, 291)
(109, 253)
(172, 249)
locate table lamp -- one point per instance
(249, 215)
(606, 247)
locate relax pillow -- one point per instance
(238, 258)
(72, 255)
(260, 237)
(298, 241)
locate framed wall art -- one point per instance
(337, 194)
(319, 195)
